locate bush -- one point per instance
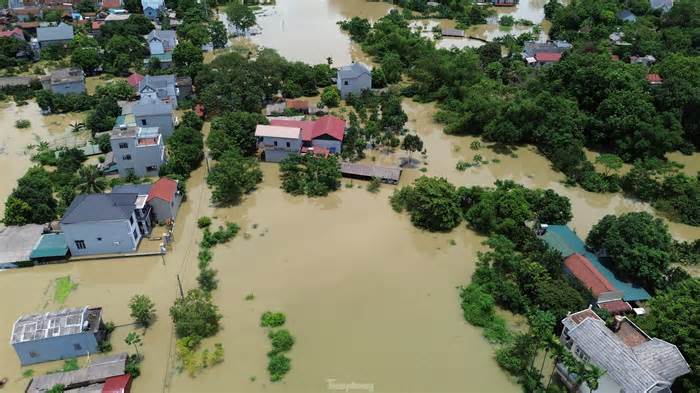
(22, 123)
(272, 319)
(282, 341)
(374, 185)
(204, 222)
(477, 305)
(310, 175)
(195, 315)
(278, 366)
(433, 203)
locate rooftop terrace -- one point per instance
(65, 322)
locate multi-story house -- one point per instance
(154, 113)
(353, 79)
(326, 132)
(631, 361)
(159, 87)
(106, 223)
(137, 150)
(63, 334)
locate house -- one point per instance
(102, 374)
(354, 79)
(161, 41)
(278, 142)
(134, 79)
(54, 35)
(617, 38)
(16, 33)
(152, 8)
(111, 4)
(542, 53)
(116, 17)
(663, 5)
(154, 113)
(627, 16)
(67, 81)
(163, 197)
(137, 150)
(631, 361)
(327, 131)
(161, 87)
(646, 61)
(609, 291)
(63, 334)
(654, 79)
(17, 243)
(106, 223)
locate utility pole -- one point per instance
(179, 284)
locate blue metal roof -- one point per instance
(563, 239)
(50, 245)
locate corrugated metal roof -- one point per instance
(99, 207)
(51, 245)
(563, 239)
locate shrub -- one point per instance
(204, 222)
(278, 366)
(22, 123)
(374, 185)
(272, 319)
(282, 341)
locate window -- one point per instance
(289, 144)
(581, 354)
(99, 239)
(126, 157)
(143, 122)
(131, 220)
(135, 234)
(123, 145)
(80, 244)
(151, 168)
(33, 354)
(77, 347)
(275, 143)
(345, 83)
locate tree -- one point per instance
(240, 15)
(185, 149)
(232, 177)
(17, 212)
(330, 97)
(195, 315)
(91, 180)
(187, 58)
(310, 174)
(86, 58)
(234, 130)
(673, 317)
(133, 339)
(611, 162)
(219, 36)
(142, 310)
(35, 189)
(638, 244)
(410, 144)
(196, 33)
(432, 202)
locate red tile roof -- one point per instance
(119, 384)
(134, 79)
(584, 271)
(316, 150)
(580, 316)
(16, 32)
(616, 306)
(96, 25)
(312, 129)
(297, 104)
(654, 78)
(547, 56)
(111, 4)
(164, 189)
(615, 58)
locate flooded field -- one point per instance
(15, 156)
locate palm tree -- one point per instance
(91, 180)
(77, 127)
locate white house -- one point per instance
(137, 150)
(354, 79)
(161, 41)
(630, 359)
(278, 142)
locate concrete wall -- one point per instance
(68, 88)
(163, 122)
(164, 210)
(102, 237)
(281, 151)
(355, 85)
(141, 157)
(331, 144)
(56, 348)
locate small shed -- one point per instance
(368, 172)
(51, 246)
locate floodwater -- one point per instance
(15, 156)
